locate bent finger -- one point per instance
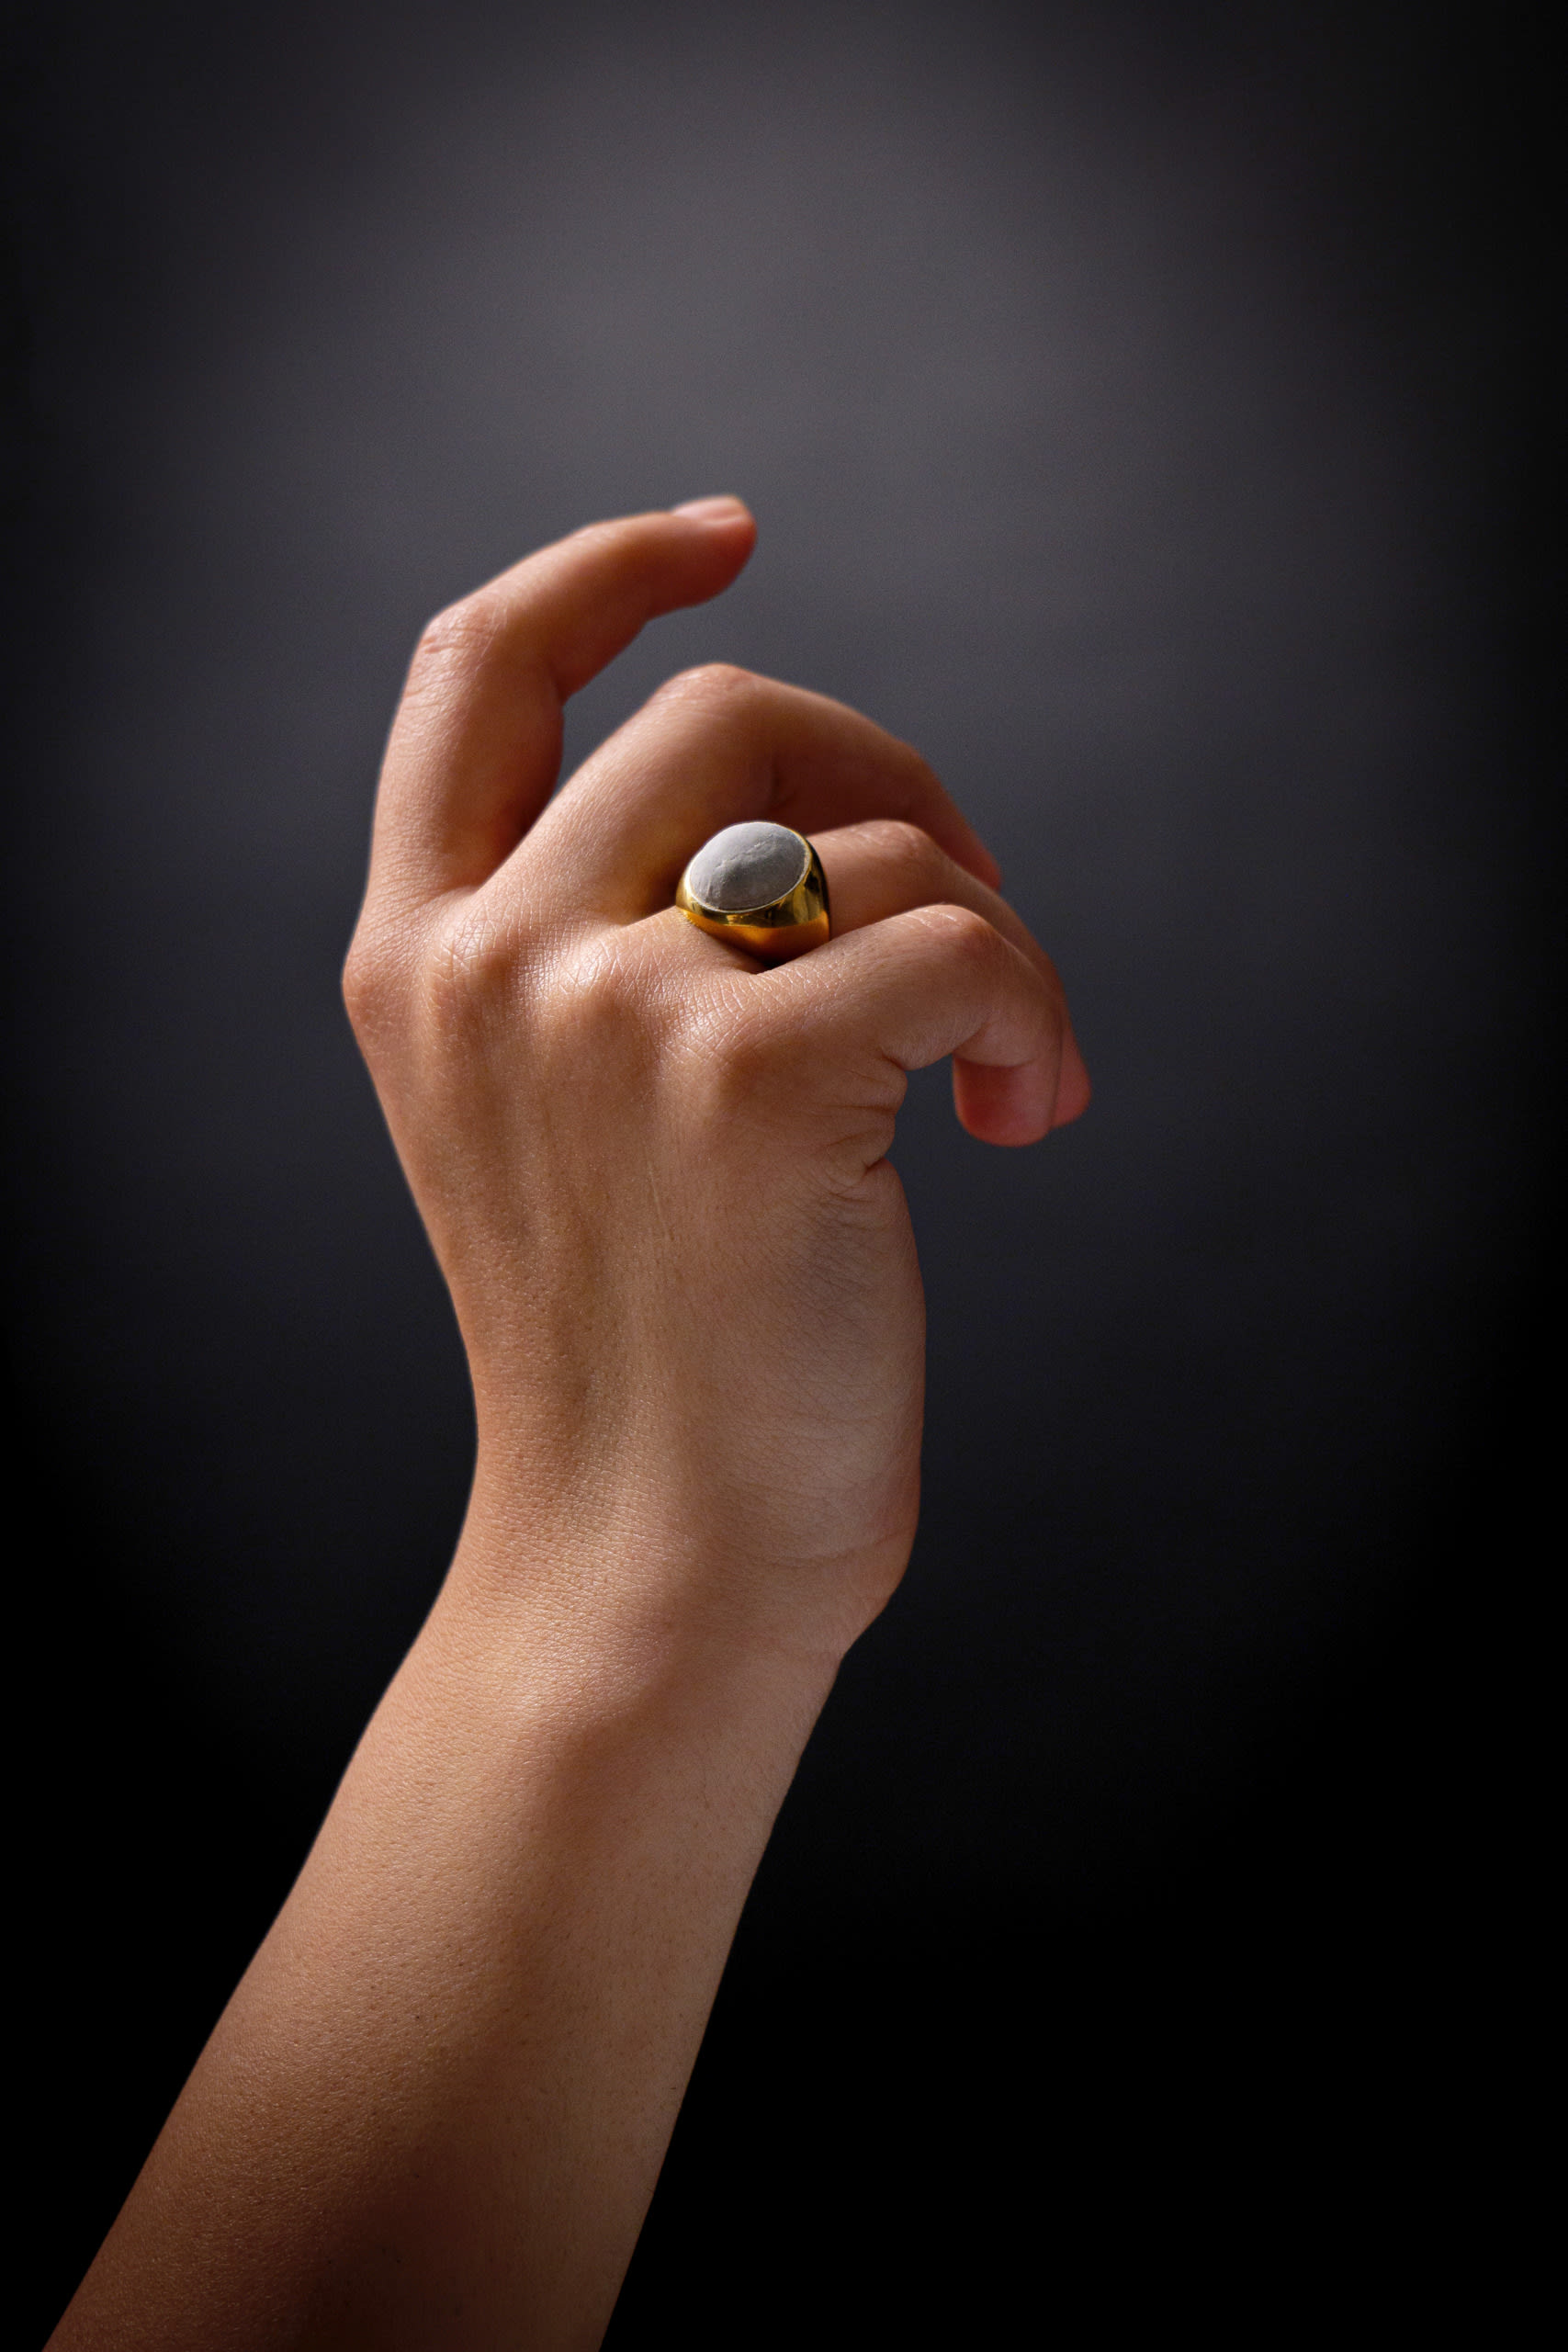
(886, 867)
(712, 748)
(937, 981)
(475, 747)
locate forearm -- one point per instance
(436, 2106)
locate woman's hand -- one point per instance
(656, 1179)
(655, 1173)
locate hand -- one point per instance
(655, 1173)
(655, 1177)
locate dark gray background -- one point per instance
(1129, 403)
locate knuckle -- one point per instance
(596, 991)
(595, 1021)
(461, 987)
(728, 1059)
(488, 985)
(370, 974)
(470, 969)
(582, 1002)
(602, 533)
(711, 686)
(748, 1059)
(361, 986)
(966, 935)
(455, 642)
(906, 848)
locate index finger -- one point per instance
(475, 747)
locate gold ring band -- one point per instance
(783, 926)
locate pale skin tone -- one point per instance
(655, 1174)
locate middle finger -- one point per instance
(713, 748)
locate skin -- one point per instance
(654, 1175)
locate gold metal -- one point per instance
(786, 927)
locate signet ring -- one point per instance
(761, 888)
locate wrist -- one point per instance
(653, 1574)
(607, 1643)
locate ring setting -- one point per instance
(761, 888)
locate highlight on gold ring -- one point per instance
(761, 888)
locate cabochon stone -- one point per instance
(746, 865)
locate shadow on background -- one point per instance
(1130, 400)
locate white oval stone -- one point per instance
(747, 865)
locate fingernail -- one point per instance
(711, 509)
